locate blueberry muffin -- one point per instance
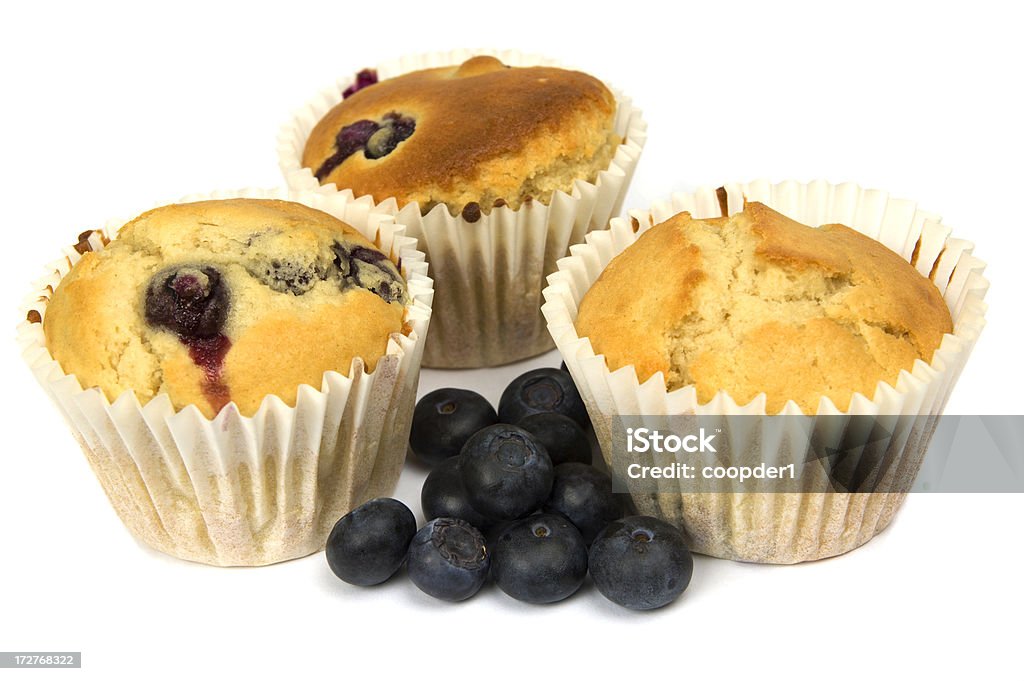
(471, 136)
(758, 303)
(225, 301)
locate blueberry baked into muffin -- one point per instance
(496, 166)
(225, 301)
(471, 136)
(290, 316)
(757, 302)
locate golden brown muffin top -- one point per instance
(760, 303)
(220, 301)
(478, 132)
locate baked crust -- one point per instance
(484, 132)
(760, 303)
(290, 315)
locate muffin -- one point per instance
(468, 136)
(225, 301)
(496, 165)
(757, 303)
(239, 372)
(854, 336)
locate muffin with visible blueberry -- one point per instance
(497, 169)
(230, 309)
(225, 301)
(469, 136)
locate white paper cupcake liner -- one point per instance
(488, 274)
(781, 527)
(237, 490)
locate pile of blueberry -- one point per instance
(512, 495)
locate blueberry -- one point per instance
(395, 128)
(208, 354)
(444, 420)
(584, 495)
(354, 136)
(375, 138)
(539, 391)
(188, 300)
(364, 79)
(562, 437)
(540, 559)
(370, 256)
(640, 563)
(564, 368)
(369, 269)
(448, 559)
(506, 472)
(369, 544)
(350, 139)
(444, 496)
(493, 531)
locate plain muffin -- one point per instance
(758, 303)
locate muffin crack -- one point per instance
(741, 293)
(889, 329)
(694, 328)
(135, 364)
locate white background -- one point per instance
(109, 109)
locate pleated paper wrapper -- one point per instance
(237, 490)
(781, 527)
(488, 274)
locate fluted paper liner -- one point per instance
(237, 490)
(488, 274)
(782, 527)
